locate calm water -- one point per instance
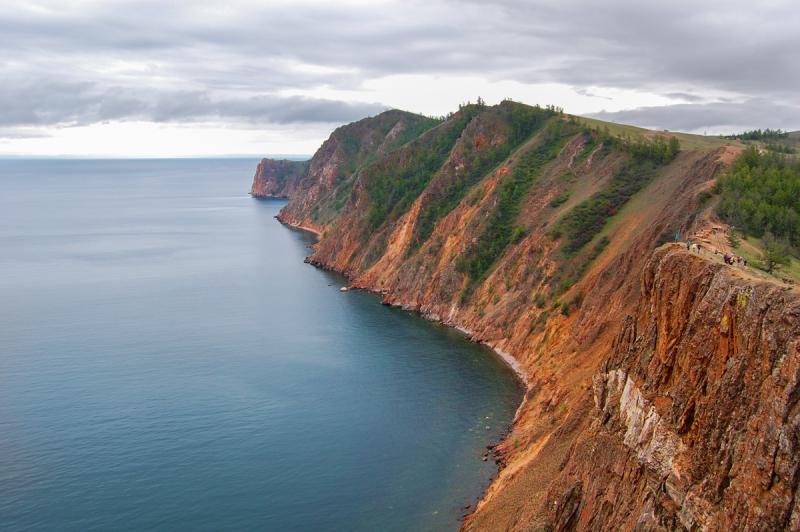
(167, 361)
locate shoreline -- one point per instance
(522, 376)
(267, 196)
(508, 359)
(299, 227)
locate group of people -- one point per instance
(693, 247)
(734, 260)
(731, 260)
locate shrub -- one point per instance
(733, 239)
(560, 199)
(704, 197)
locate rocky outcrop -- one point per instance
(696, 409)
(662, 385)
(277, 178)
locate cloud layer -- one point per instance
(721, 64)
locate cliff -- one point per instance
(325, 187)
(695, 416)
(662, 385)
(277, 178)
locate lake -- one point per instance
(167, 361)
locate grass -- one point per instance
(588, 218)
(751, 248)
(688, 140)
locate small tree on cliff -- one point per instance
(776, 253)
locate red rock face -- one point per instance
(665, 397)
(695, 423)
(277, 178)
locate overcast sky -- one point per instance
(226, 77)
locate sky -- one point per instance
(156, 79)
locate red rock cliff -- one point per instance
(277, 178)
(695, 421)
(662, 385)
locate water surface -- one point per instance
(167, 361)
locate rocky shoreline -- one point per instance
(493, 450)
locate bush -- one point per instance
(704, 197)
(560, 199)
(568, 306)
(733, 239)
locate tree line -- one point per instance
(760, 196)
(758, 134)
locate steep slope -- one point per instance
(544, 238)
(277, 178)
(326, 186)
(696, 416)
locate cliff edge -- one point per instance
(277, 178)
(662, 384)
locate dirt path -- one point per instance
(745, 272)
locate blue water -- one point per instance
(167, 361)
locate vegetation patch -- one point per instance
(758, 134)
(760, 195)
(394, 185)
(780, 148)
(500, 229)
(560, 199)
(522, 121)
(355, 146)
(585, 220)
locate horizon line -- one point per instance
(23, 156)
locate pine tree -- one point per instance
(776, 253)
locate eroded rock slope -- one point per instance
(662, 385)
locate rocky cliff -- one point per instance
(325, 187)
(695, 417)
(277, 178)
(662, 385)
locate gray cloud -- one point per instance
(82, 103)
(203, 61)
(685, 96)
(716, 117)
(9, 133)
